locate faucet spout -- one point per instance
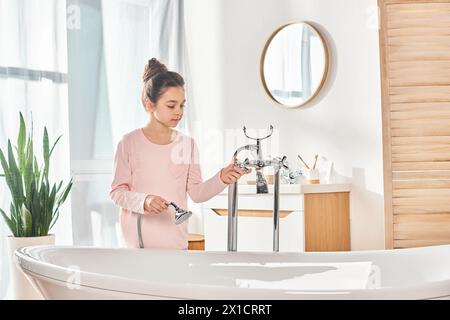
(247, 147)
(261, 183)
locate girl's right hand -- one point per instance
(154, 204)
(232, 173)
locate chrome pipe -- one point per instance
(276, 212)
(139, 231)
(232, 216)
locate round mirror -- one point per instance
(294, 64)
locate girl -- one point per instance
(157, 164)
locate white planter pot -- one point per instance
(20, 288)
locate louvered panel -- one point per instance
(423, 53)
(411, 123)
(427, 73)
(418, 152)
(420, 141)
(417, 157)
(419, 9)
(418, 184)
(423, 130)
(415, 40)
(438, 202)
(430, 114)
(421, 175)
(415, 31)
(402, 244)
(418, 15)
(422, 218)
(430, 42)
(420, 107)
(419, 94)
(417, 148)
(423, 194)
(421, 23)
(421, 165)
(422, 231)
(428, 208)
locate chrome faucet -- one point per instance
(261, 187)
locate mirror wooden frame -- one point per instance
(325, 71)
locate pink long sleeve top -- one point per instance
(170, 171)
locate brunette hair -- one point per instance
(157, 78)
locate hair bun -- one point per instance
(153, 68)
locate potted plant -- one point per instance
(35, 203)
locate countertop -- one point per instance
(295, 188)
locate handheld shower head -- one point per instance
(180, 214)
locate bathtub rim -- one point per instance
(46, 271)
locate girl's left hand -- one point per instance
(232, 173)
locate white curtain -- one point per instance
(33, 80)
(132, 32)
(76, 66)
(152, 28)
(306, 63)
(126, 45)
(168, 42)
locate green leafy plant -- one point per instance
(35, 204)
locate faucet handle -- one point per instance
(242, 165)
(284, 163)
(279, 163)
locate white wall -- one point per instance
(225, 40)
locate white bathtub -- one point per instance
(62, 272)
